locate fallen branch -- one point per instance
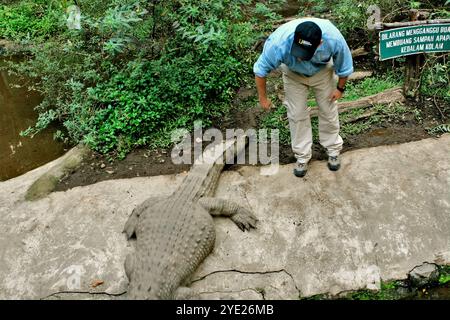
(359, 52)
(437, 107)
(10, 47)
(358, 75)
(385, 97)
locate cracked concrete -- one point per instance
(386, 211)
(269, 285)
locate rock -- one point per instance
(404, 293)
(48, 180)
(103, 166)
(427, 273)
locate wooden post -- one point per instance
(413, 68)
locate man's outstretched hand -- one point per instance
(266, 104)
(336, 95)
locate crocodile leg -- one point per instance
(241, 216)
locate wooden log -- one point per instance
(414, 66)
(358, 75)
(382, 26)
(385, 97)
(359, 52)
(12, 48)
(394, 95)
(413, 74)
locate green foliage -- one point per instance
(440, 129)
(277, 119)
(444, 277)
(352, 14)
(436, 77)
(140, 69)
(30, 19)
(370, 86)
(388, 291)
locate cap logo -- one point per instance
(304, 42)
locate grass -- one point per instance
(29, 19)
(389, 290)
(444, 272)
(370, 86)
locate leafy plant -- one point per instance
(440, 129)
(30, 19)
(444, 277)
(140, 69)
(436, 77)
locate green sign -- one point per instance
(413, 40)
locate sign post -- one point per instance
(412, 40)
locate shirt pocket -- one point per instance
(323, 57)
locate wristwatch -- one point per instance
(341, 89)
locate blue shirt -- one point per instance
(277, 50)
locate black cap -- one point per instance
(308, 36)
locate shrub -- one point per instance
(141, 69)
(30, 19)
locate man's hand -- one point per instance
(266, 104)
(336, 95)
(261, 87)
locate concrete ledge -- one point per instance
(386, 211)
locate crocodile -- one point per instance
(175, 234)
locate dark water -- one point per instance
(21, 154)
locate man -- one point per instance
(306, 50)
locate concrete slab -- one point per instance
(386, 211)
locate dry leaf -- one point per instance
(97, 283)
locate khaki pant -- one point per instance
(296, 88)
